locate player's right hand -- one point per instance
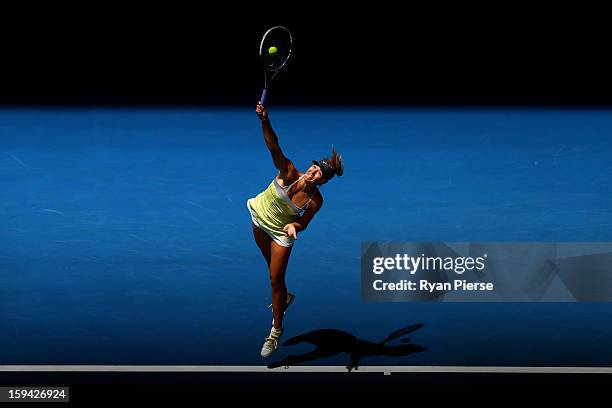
(261, 111)
(290, 231)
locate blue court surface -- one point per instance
(126, 239)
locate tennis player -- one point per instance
(282, 210)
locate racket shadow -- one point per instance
(330, 342)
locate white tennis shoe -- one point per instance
(271, 342)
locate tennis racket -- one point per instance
(274, 51)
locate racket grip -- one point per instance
(264, 95)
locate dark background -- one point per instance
(109, 56)
(384, 56)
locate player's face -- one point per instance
(314, 174)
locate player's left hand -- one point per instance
(290, 231)
(261, 111)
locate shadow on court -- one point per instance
(330, 342)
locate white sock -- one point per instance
(277, 331)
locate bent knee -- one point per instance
(277, 282)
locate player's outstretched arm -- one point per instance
(278, 157)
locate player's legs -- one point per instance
(264, 242)
(278, 266)
(276, 257)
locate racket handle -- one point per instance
(264, 95)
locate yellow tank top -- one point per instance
(272, 209)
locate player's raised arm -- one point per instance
(279, 159)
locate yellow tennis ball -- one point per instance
(272, 51)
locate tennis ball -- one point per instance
(272, 51)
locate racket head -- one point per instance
(280, 38)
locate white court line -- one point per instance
(308, 369)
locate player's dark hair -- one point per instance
(331, 166)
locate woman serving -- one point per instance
(282, 210)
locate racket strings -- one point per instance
(275, 48)
(274, 51)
